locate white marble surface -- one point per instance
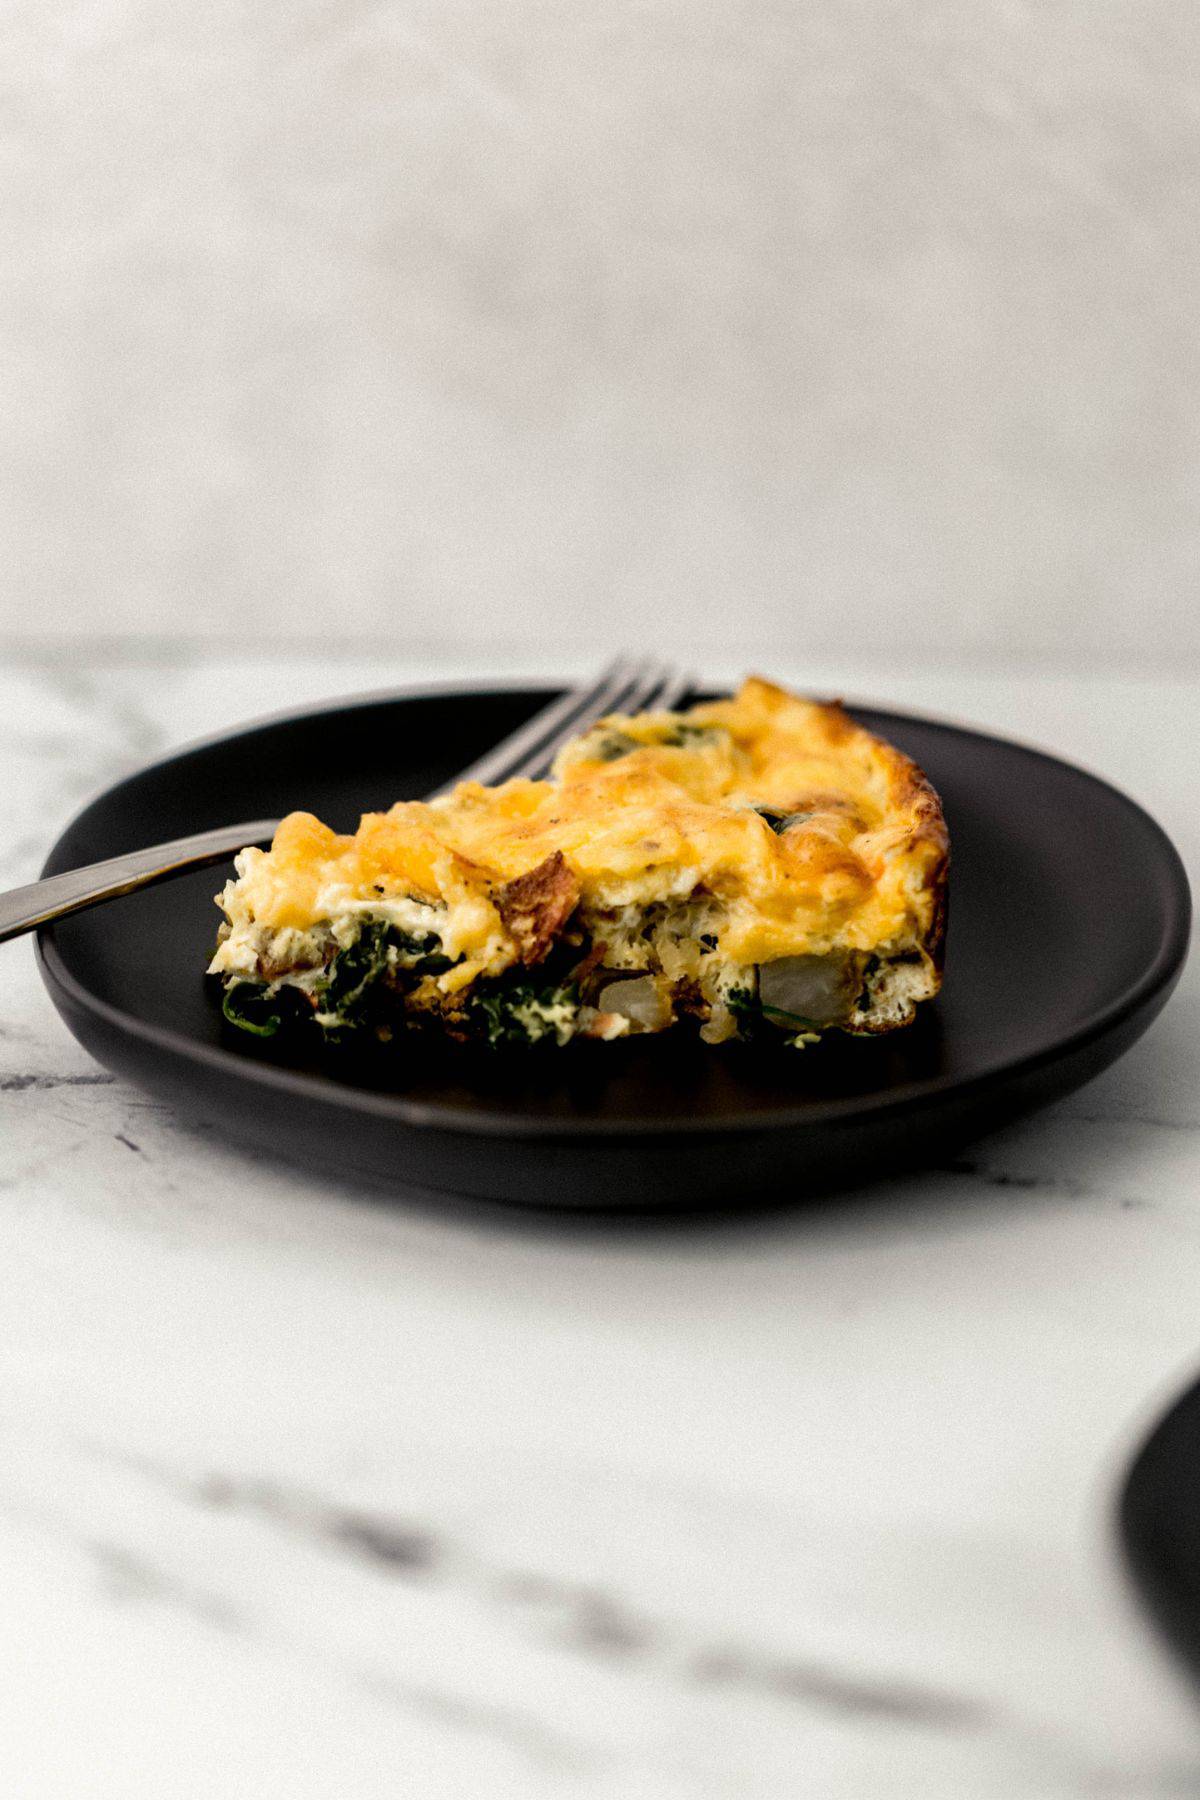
(467, 318)
(305, 1495)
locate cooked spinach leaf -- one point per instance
(680, 735)
(743, 1004)
(521, 1012)
(752, 1015)
(352, 973)
(249, 1006)
(612, 745)
(420, 954)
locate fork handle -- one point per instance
(41, 902)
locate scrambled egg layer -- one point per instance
(846, 850)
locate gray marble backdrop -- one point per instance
(502, 321)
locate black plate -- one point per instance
(1160, 1525)
(1069, 917)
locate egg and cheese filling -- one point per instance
(757, 863)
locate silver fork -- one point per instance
(626, 685)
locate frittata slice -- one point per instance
(760, 865)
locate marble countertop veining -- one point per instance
(306, 1495)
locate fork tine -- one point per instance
(628, 684)
(623, 693)
(649, 681)
(561, 716)
(664, 692)
(652, 677)
(678, 687)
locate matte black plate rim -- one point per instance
(1159, 972)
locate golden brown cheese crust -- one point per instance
(644, 811)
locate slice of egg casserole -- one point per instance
(760, 865)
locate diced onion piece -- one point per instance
(643, 999)
(822, 989)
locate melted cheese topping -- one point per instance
(646, 810)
